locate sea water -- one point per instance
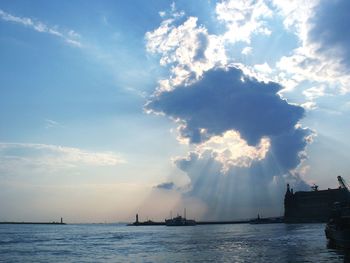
(201, 243)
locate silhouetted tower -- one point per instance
(288, 190)
(137, 219)
(288, 201)
(61, 220)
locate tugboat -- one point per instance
(338, 227)
(180, 221)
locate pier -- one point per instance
(33, 223)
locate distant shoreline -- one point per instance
(267, 220)
(152, 223)
(32, 223)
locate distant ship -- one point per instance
(312, 206)
(180, 221)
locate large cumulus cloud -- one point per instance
(246, 141)
(225, 105)
(225, 99)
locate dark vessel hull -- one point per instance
(181, 224)
(338, 227)
(338, 237)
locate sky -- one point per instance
(112, 108)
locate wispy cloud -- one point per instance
(247, 50)
(69, 36)
(29, 156)
(51, 124)
(165, 186)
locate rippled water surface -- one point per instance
(120, 243)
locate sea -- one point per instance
(201, 243)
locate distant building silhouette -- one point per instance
(311, 206)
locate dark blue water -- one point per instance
(120, 243)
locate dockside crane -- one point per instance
(342, 183)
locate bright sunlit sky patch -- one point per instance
(108, 108)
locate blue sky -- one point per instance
(108, 108)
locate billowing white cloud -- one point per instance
(309, 105)
(231, 150)
(69, 36)
(243, 18)
(307, 65)
(188, 48)
(295, 14)
(264, 68)
(318, 59)
(314, 92)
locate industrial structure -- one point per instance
(313, 206)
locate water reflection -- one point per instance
(249, 243)
(345, 253)
(215, 243)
